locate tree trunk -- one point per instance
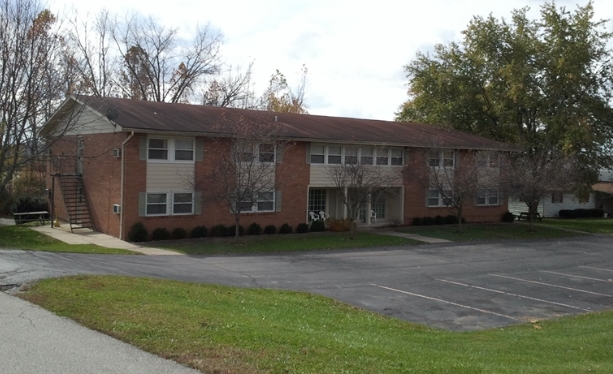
(352, 229)
(237, 218)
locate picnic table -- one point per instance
(24, 217)
(526, 216)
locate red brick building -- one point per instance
(124, 161)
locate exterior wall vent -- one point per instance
(116, 208)
(117, 152)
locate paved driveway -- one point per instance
(451, 286)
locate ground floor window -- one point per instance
(168, 203)
(488, 197)
(436, 198)
(156, 204)
(182, 203)
(264, 202)
(317, 200)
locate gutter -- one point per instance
(122, 183)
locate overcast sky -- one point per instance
(355, 52)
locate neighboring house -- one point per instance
(553, 202)
(122, 161)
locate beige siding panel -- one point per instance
(170, 176)
(89, 122)
(321, 176)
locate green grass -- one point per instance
(502, 231)
(22, 237)
(594, 225)
(230, 330)
(281, 243)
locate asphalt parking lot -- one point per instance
(453, 286)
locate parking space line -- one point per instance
(514, 294)
(589, 267)
(551, 285)
(445, 301)
(576, 276)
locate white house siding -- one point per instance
(89, 122)
(321, 177)
(170, 176)
(516, 206)
(569, 201)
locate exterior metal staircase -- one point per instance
(76, 202)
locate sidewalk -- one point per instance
(37, 341)
(419, 238)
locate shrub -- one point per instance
(597, 213)
(508, 217)
(427, 221)
(339, 225)
(302, 228)
(30, 204)
(270, 230)
(232, 230)
(439, 220)
(160, 234)
(254, 229)
(451, 220)
(198, 232)
(567, 213)
(178, 234)
(138, 233)
(417, 221)
(285, 229)
(318, 226)
(219, 231)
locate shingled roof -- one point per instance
(148, 116)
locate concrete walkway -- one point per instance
(419, 238)
(37, 341)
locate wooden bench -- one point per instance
(24, 217)
(526, 216)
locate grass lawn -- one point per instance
(594, 225)
(22, 237)
(281, 243)
(501, 231)
(230, 330)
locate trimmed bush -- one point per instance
(138, 233)
(451, 220)
(254, 229)
(439, 220)
(198, 232)
(597, 213)
(302, 228)
(427, 221)
(160, 233)
(219, 231)
(30, 204)
(339, 225)
(232, 230)
(270, 230)
(417, 221)
(286, 229)
(178, 234)
(318, 226)
(508, 217)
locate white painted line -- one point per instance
(514, 294)
(551, 285)
(446, 302)
(589, 267)
(576, 276)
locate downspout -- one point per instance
(123, 161)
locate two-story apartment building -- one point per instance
(115, 162)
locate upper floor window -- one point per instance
(442, 159)
(261, 152)
(266, 152)
(366, 155)
(334, 154)
(490, 160)
(170, 149)
(352, 155)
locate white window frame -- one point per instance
(147, 204)
(484, 197)
(254, 208)
(254, 153)
(170, 149)
(441, 201)
(191, 212)
(440, 159)
(490, 160)
(320, 154)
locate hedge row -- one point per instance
(438, 220)
(581, 213)
(138, 232)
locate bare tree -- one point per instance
(455, 179)
(31, 81)
(359, 183)
(245, 176)
(232, 89)
(531, 174)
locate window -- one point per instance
(490, 160)
(158, 149)
(442, 158)
(351, 155)
(366, 157)
(318, 154)
(266, 202)
(182, 203)
(488, 197)
(396, 156)
(317, 200)
(378, 205)
(557, 197)
(156, 204)
(334, 155)
(448, 158)
(436, 198)
(184, 150)
(266, 152)
(382, 156)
